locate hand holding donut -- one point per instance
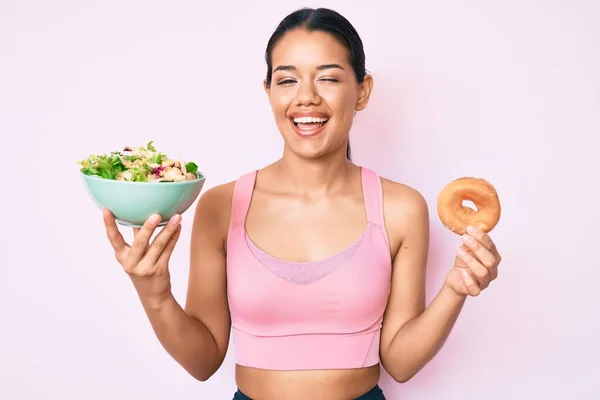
(477, 259)
(475, 265)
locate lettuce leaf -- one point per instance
(191, 167)
(106, 166)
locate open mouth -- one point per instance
(309, 125)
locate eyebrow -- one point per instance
(320, 67)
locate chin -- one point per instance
(310, 151)
(307, 153)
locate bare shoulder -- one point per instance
(216, 198)
(404, 208)
(401, 200)
(214, 208)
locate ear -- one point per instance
(267, 88)
(364, 93)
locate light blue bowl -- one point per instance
(132, 203)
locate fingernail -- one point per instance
(176, 219)
(471, 230)
(155, 218)
(467, 239)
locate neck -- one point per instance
(314, 177)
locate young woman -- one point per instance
(316, 266)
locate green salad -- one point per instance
(139, 164)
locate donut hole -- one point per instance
(469, 204)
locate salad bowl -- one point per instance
(136, 183)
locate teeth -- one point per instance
(308, 120)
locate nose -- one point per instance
(307, 94)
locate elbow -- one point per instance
(204, 372)
(402, 378)
(201, 376)
(401, 375)
(403, 367)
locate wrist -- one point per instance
(153, 296)
(452, 295)
(156, 302)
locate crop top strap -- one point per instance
(373, 195)
(242, 195)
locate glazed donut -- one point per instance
(455, 216)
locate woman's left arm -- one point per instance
(412, 334)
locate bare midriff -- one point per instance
(346, 384)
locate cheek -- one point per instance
(280, 102)
(341, 102)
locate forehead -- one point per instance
(302, 48)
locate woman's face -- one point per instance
(314, 93)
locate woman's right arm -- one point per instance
(196, 337)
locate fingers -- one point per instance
(478, 260)
(163, 260)
(482, 253)
(112, 232)
(163, 241)
(471, 286)
(493, 273)
(141, 238)
(477, 270)
(482, 238)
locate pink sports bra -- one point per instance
(316, 315)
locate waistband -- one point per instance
(374, 394)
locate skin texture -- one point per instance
(306, 206)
